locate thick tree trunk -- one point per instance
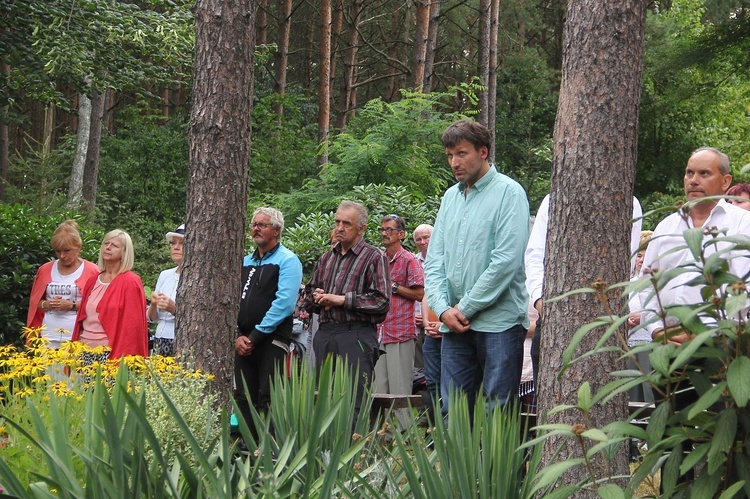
(219, 150)
(483, 62)
(91, 167)
(432, 36)
(595, 144)
(421, 38)
(282, 54)
(75, 188)
(324, 92)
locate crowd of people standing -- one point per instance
(466, 308)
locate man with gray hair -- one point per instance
(421, 237)
(351, 290)
(271, 278)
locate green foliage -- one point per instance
(712, 426)
(473, 456)
(24, 246)
(141, 434)
(527, 101)
(142, 185)
(102, 445)
(393, 143)
(39, 178)
(283, 153)
(116, 44)
(695, 87)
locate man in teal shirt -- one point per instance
(474, 271)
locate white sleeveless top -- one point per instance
(59, 324)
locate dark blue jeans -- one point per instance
(431, 355)
(491, 360)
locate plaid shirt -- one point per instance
(399, 324)
(361, 275)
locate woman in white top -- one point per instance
(163, 307)
(58, 286)
(637, 334)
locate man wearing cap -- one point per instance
(351, 291)
(271, 278)
(474, 276)
(398, 332)
(162, 307)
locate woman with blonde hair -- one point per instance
(113, 303)
(58, 286)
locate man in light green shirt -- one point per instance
(474, 271)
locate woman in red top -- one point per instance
(58, 286)
(112, 311)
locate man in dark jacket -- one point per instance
(271, 277)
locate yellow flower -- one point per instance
(24, 392)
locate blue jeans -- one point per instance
(431, 355)
(491, 360)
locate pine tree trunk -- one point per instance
(432, 35)
(324, 92)
(595, 145)
(348, 90)
(483, 62)
(75, 189)
(492, 76)
(421, 37)
(219, 151)
(4, 139)
(262, 35)
(91, 166)
(282, 54)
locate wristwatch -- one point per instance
(394, 288)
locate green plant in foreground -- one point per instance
(701, 448)
(309, 446)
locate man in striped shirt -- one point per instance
(398, 333)
(351, 291)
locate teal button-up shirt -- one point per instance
(475, 257)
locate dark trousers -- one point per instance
(536, 341)
(257, 371)
(356, 343)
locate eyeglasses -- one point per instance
(389, 230)
(260, 225)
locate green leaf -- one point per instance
(695, 456)
(726, 429)
(734, 304)
(708, 399)
(549, 475)
(611, 491)
(732, 490)
(657, 423)
(738, 380)
(694, 241)
(584, 397)
(596, 434)
(660, 358)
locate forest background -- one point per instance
(95, 97)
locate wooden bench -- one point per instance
(382, 403)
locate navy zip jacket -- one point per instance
(270, 286)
